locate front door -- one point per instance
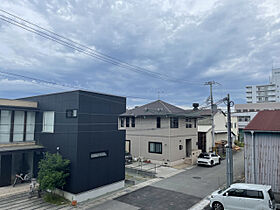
(188, 147)
(5, 170)
(202, 141)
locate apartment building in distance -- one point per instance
(265, 93)
(246, 112)
(161, 133)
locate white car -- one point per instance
(243, 196)
(209, 159)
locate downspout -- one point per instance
(169, 146)
(253, 158)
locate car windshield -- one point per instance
(204, 155)
(271, 195)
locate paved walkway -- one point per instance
(10, 190)
(22, 201)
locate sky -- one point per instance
(235, 43)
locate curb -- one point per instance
(202, 204)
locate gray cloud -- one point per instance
(232, 42)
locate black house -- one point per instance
(83, 127)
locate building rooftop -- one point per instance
(267, 120)
(159, 108)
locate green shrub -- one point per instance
(53, 171)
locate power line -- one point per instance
(41, 82)
(82, 48)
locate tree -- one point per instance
(53, 171)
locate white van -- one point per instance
(243, 196)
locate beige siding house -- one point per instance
(162, 133)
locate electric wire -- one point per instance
(84, 49)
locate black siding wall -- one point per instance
(65, 129)
(100, 134)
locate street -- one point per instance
(181, 191)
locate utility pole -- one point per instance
(211, 83)
(229, 144)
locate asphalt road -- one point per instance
(183, 190)
(201, 180)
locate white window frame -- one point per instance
(48, 127)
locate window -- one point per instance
(127, 146)
(158, 122)
(18, 126)
(254, 194)
(155, 147)
(236, 192)
(194, 125)
(133, 122)
(188, 123)
(30, 126)
(48, 122)
(127, 121)
(71, 113)
(238, 110)
(122, 121)
(174, 122)
(5, 126)
(180, 147)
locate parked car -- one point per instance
(243, 196)
(209, 159)
(128, 158)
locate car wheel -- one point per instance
(219, 161)
(212, 162)
(218, 206)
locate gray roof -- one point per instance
(159, 108)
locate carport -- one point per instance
(18, 158)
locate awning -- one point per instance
(11, 148)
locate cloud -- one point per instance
(232, 42)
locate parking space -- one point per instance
(157, 198)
